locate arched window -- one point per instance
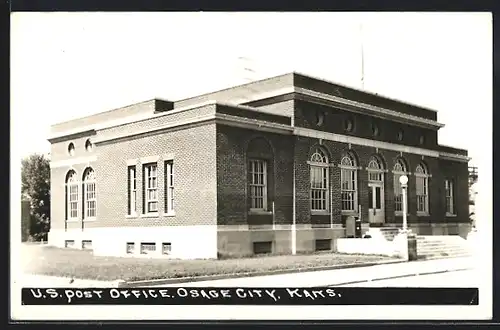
(88, 145)
(399, 170)
(71, 195)
(375, 170)
(422, 188)
(319, 180)
(349, 183)
(71, 149)
(89, 194)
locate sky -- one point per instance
(70, 65)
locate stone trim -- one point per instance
(455, 157)
(73, 161)
(158, 128)
(363, 142)
(149, 159)
(256, 124)
(126, 120)
(132, 162)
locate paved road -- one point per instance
(455, 279)
(339, 276)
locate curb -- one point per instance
(400, 276)
(124, 284)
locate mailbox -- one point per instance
(350, 227)
(357, 227)
(412, 247)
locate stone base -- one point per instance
(187, 242)
(241, 242)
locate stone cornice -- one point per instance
(363, 108)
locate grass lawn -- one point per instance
(52, 261)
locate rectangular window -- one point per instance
(262, 247)
(319, 188)
(73, 201)
(169, 186)
(148, 248)
(166, 248)
(151, 188)
(132, 190)
(450, 207)
(323, 244)
(348, 189)
(422, 194)
(375, 176)
(69, 243)
(258, 185)
(130, 248)
(90, 200)
(86, 245)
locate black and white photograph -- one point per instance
(251, 166)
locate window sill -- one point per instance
(90, 219)
(169, 214)
(259, 212)
(423, 214)
(451, 215)
(72, 220)
(318, 212)
(131, 216)
(400, 214)
(150, 215)
(353, 213)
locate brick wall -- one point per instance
(159, 120)
(59, 150)
(193, 153)
(285, 108)
(305, 116)
(439, 170)
(193, 150)
(232, 191)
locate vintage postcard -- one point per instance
(251, 166)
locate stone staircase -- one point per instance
(388, 233)
(442, 246)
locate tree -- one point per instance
(35, 180)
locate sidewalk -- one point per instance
(341, 276)
(42, 281)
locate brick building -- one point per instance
(233, 171)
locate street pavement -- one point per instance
(340, 276)
(453, 279)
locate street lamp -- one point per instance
(403, 180)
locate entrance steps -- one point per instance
(442, 246)
(388, 233)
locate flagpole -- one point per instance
(362, 56)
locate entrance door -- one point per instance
(376, 212)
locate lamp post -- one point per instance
(403, 180)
